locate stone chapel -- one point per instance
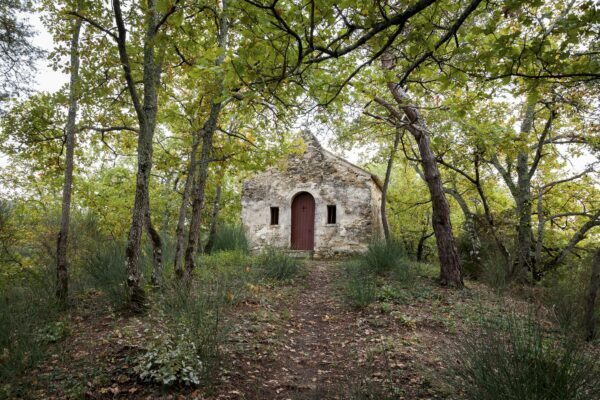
(318, 203)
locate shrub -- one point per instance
(278, 265)
(493, 271)
(105, 270)
(512, 358)
(227, 273)
(169, 360)
(384, 257)
(192, 312)
(359, 288)
(27, 309)
(230, 237)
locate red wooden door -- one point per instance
(303, 222)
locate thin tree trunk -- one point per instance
(208, 131)
(185, 198)
(146, 112)
(540, 235)
(490, 218)
(156, 278)
(212, 233)
(589, 320)
(521, 192)
(62, 263)
(199, 188)
(386, 183)
(469, 226)
(450, 270)
(422, 240)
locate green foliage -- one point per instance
(493, 271)
(169, 360)
(565, 295)
(192, 314)
(360, 288)
(230, 237)
(27, 312)
(105, 271)
(512, 358)
(227, 274)
(384, 257)
(53, 332)
(278, 265)
(383, 260)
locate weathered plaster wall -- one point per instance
(331, 181)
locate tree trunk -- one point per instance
(469, 226)
(208, 131)
(589, 320)
(146, 112)
(450, 271)
(540, 236)
(525, 257)
(213, 221)
(62, 270)
(386, 183)
(185, 198)
(157, 254)
(199, 188)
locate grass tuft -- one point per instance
(230, 237)
(512, 358)
(277, 265)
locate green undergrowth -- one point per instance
(185, 351)
(515, 357)
(29, 321)
(379, 274)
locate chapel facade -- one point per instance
(316, 202)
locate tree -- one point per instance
(62, 274)
(18, 56)
(589, 320)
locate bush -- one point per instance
(360, 288)
(512, 358)
(227, 273)
(493, 271)
(278, 265)
(27, 310)
(105, 271)
(384, 257)
(170, 360)
(230, 237)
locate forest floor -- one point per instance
(294, 341)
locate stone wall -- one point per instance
(331, 181)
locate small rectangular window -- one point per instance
(331, 215)
(274, 215)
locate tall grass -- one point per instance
(383, 260)
(512, 358)
(230, 237)
(186, 350)
(383, 257)
(360, 288)
(278, 265)
(26, 308)
(105, 271)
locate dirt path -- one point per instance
(296, 341)
(309, 345)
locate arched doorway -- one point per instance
(303, 222)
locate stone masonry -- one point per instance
(332, 181)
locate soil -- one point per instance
(295, 341)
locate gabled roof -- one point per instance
(313, 142)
